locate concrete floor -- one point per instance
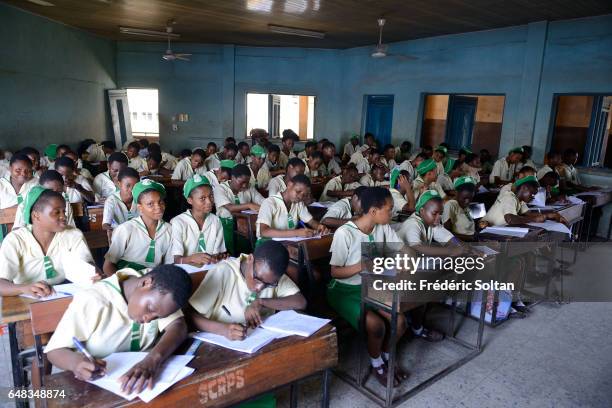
(561, 356)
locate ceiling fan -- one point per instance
(171, 55)
(381, 49)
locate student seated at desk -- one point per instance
(364, 159)
(505, 167)
(212, 160)
(471, 167)
(313, 166)
(54, 181)
(346, 209)
(278, 184)
(451, 172)
(15, 187)
(410, 165)
(116, 206)
(218, 176)
(341, 186)
(234, 196)
(440, 157)
(377, 178)
(124, 312)
(401, 192)
(144, 241)
(197, 234)
(78, 188)
(569, 173)
(270, 167)
(79, 171)
(244, 152)
(286, 151)
(456, 216)
(189, 166)
(526, 160)
(239, 292)
(49, 156)
(309, 148)
(350, 148)
(523, 172)
(427, 179)
(280, 214)
(258, 157)
(510, 207)
(134, 160)
(229, 152)
(32, 258)
(329, 167)
(34, 156)
(553, 161)
(550, 183)
(344, 290)
(168, 161)
(388, 159)
(153, 166)
(105, 183)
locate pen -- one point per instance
(225, 309)
(82, 349)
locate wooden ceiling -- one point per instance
(347, 23)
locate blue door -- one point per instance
(460, 121)
(379, 117)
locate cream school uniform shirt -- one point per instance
(116, 212)
(96, 153)
(183, 170)
(224, 196)
(302, 155)
(399, 201)
(22, 258)
(224, 285)
(330, 169)
(390, 164)
(103, 185)
(131, 243)
(419, 182)
(445, 182)
(212, 162)
(346, 246)
(186, 235)
(503, 170)
(312, 173)
(273, 212)
(349, 149)
(506, 203)
(8, 196)
(75, 195)
(406, 165)
(137, 163)
(569, 173)
(335, 184)
(98, 317)
(212, 178)
(341, 209)
(277, 185)
(413, 231)
(362, 164)
(283, 158)
(368, 181)
(460, 218)
(19, 221)
(471, 171)
(544, 170)
(263, 175)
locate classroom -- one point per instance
(283, 203)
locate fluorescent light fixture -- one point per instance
(146, 33)
(296, 31)
(42, 3)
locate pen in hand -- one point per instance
(100, 370)
(226, 310)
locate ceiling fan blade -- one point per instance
(178, 54)
(179, 57)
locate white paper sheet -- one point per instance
(575, 200)
(507, 231)
(482, 189)
(540, 198)
(321, 204)
(544, 208)
(292, 323)
(78, 271)
(553, 226)
(249, 212)
(477, 210)
(485, 250)
(252, 343)
(56, 295)
(298, 239)
(192, 269)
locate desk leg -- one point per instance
(392, 350)
(18, 375)
(325, 386)
(293, 394)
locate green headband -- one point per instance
(395, 173)
(30, 200)
(355, 136)
(145, 185)
(441, 149)
(258, 151)
(424, 198)
(194, 182)
(51, 151)
(425, 166)
(526, 179)
(466, 150)
(449, 165)
(459, 181)
(517, 150)
(230, 164)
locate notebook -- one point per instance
(61, 291)
(292, 323)
(117, 364)
(192, 269)
(299, 239)
(257, 339)
(507, 231)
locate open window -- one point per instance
(144, 113)
(276, 113)
(582, 123)
(463, 120)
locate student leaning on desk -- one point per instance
(125, 312)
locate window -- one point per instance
(143, 104)
(463, 120)
(276, 113)
(582, 123)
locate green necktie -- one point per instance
(50, 272)
(151, 253)
(201, 243)
(135, 337)
(19, 199)
(290, 222)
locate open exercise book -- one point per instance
(117, 364)
(281, 324)
(61, 291)
(507, 231)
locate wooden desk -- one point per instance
(94, 215)
(317, 212)
(7, 218)
(222, 377)
(96, 239)
(246, 226)
(595, 200)
(316, 189)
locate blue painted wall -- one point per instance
(52, 80)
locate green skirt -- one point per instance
(260, 241)
(346, 300)
(228, 234)
(127, 264)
